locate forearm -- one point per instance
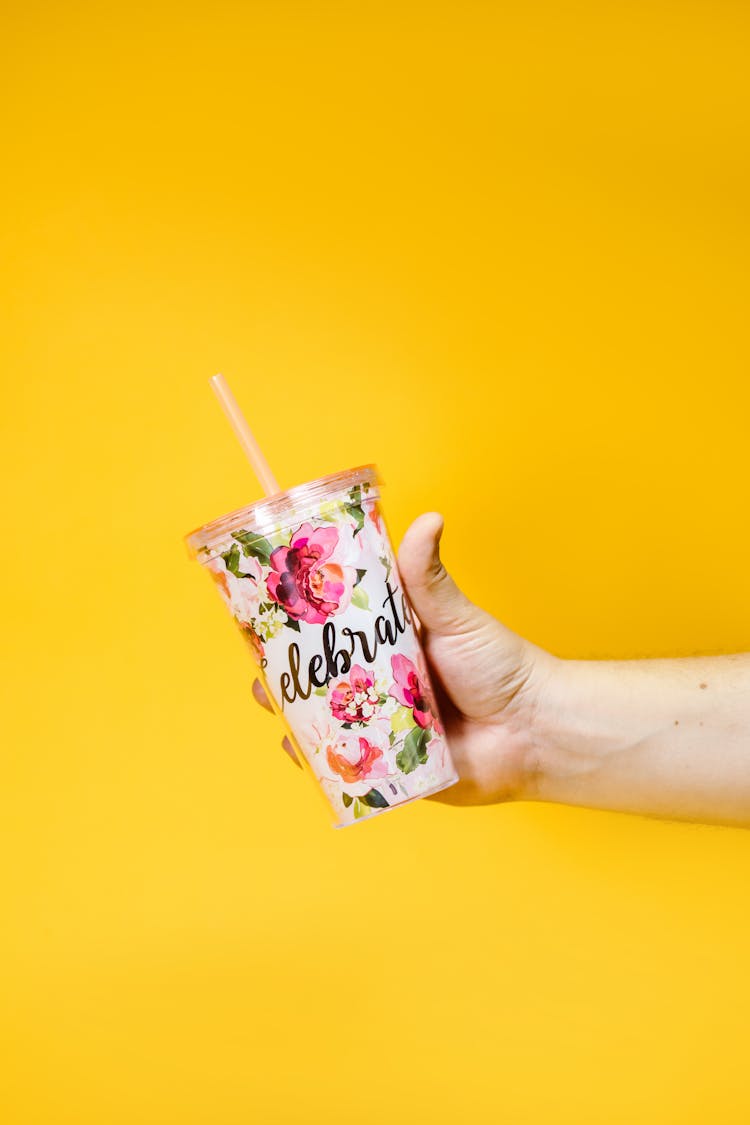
(665, 738)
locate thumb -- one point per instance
(437, 600)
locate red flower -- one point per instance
(369, 763)
(412, 689)
(303, 582)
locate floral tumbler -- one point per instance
(310, 577)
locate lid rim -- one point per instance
(204, 538)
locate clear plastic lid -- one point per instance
(282, 511)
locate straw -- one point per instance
(239, 424)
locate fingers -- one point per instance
(437, 600)
(287, 746)
(259, 694)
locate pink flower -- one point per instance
(355, 700)
(302, 580)
(368, 763)
(242, 595)
(412, 689)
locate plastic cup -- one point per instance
(310, 577)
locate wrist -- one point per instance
(545, 689)
(581, 721)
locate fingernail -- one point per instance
(287, 745)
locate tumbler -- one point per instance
(311, 579)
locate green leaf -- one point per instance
(358, 516)
(347, 799)
(232, 561)
(414, 751)
(358, 810)
(292, 624)
(321, 691)
(360, 598)
(354, 508)
(254, 545)
(360, 576)
(402, 719)
(375, 800)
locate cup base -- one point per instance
(402, 804)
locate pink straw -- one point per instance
(238, 422)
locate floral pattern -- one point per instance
(356, 699)
(306, 581)
(412, 689)
(241, 584)
(371, 733)
(366, 760)
(243, 598)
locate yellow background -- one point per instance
(502, 251)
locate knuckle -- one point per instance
(437, 575)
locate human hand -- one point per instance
(667, 738)
(487, 680)
(634, 736)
